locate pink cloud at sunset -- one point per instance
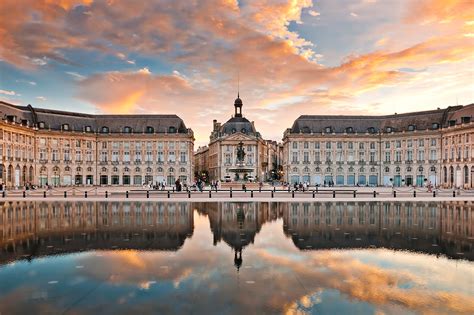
(194, 51)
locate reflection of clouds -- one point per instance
(371, 283)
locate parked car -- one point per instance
(250, 178)
(227, 179)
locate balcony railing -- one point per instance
(433, 161)
(409, 162)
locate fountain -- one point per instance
(240, 171)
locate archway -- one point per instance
(451, 176)
(17, 176)
(10, 175)
(24, 178)
(32, 174)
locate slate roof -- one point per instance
(398, 122)
(238, 124)
(54, 120)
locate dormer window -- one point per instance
(243, 130)
(371, 130)
(24, 122)
(328, 130)
(172, 129)
(104, 129)
(411, 127)
(127, 129)
(388, 129)
(88, 129)
(306, 129)
(234, 130)
(65, 127)
(41, 125)
(434, 126)
(465, 120)
(149, 129)
(349, 130)
(452, 123)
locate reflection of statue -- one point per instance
(238, 259)
(240, 153)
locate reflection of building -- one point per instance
(400, 149)
(221, 154)
(40, 228)
(428, 227)
(61, 148)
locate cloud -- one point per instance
(314, 13)
(41, 98)
(354, 14)
(11, 93)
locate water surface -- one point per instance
(234, 258)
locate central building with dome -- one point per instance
(221, 154)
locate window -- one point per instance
(398, 144)
(411, 127)
(328, 145)
(65, 127)
(294, 157)
(172, 129)
(361, 145)
(104, 129)
(295, 145)
(421, 142)
(149, 129)
(388, 129)
(88, 129)
(372, 145)
(387, 144)
(434, 126)
(387, 156)
(305, 145)
(339, 145)
(349, 130)
(127, 129)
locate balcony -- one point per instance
(386, 162)
(409, 162)
(306, 162)
(43, 161)
(351, 162)
(317, 162)
(103, 163)
(373, 163)
(137, 162)
(433, 161)
(295, 162)
(340, 162)
(55, 161)
(115, 162)
(420, 161)
(328, 162)
(78, 162)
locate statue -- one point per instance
(240, 153)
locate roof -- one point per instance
(238, 124)
(55, 119)
(398, 122)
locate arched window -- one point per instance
(149, 129)
(371, 130)
(387, 169)
(234, 130)
(127, 129)
(411, 127)
(397, 169)
(388, 129)
(89, 169)
(433, 169)
(451, 175)
(104, 169)
(445, 174)
(349, 130)
(78, 169)
(328, 129)
(373, 170)
(306, 169)
(317, 169)
(182, 170)
(160, 170)
(420, 169)
(115, 169)
(172, 129)
(104, 129)
(466, 175)
(41, 125)
(434, 126)
(137, 169)
(65, 127)
(409, 169)
(88, 129)
(43, 169)
(171, 170)
(67, 169)
(126, 169)
(295, 170)
(243, 130)
(148, 169)
(55, 169)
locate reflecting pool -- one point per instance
(234, 258)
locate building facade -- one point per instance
(220, 155)
(42, 146)
(411, 149)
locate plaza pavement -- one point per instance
(268, 193)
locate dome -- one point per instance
(238, 124)
(238, 102)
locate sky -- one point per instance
(188, 57)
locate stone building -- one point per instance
(400, 149)
(224, 141)
(42, 146)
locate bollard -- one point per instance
(169, 194)
(251, 194)
(394, 194)
(355, 194)
(288, 188)
(126, 194)
(148, 194)
(274, 188)
(434, 193)
(44, 194)
(3, 194)
(65, 194)
(24, 194)
(85, 194)
(334, 194)
(454, 193)
(292, 194)
(189, 193)
(210, 194)
(173, 188)
(230, 192)
(106, 194)
(414, 193)
(375, 194)
(314, 194)
(245, 189)
(272, 193)
(259, 189)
